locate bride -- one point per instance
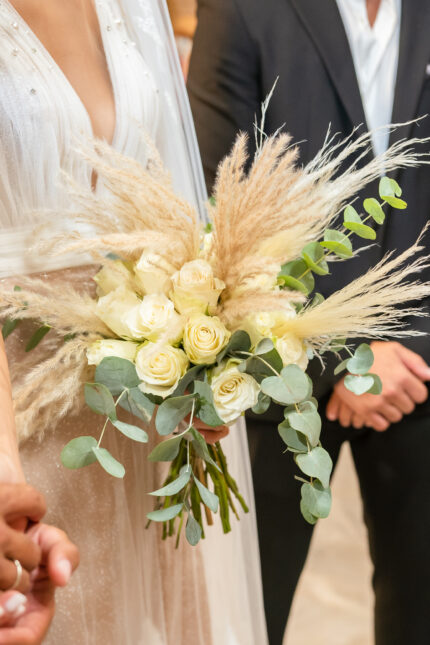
(107, 69)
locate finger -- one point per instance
(416, 389)
(390, 412)
(21, 500)
(403, 402)
(377, 422)
(58, 552)
(415, 363)
(345, 416)
(332, 410)
(357, 421)
(19, 546)
(9, 577)
(12, 605)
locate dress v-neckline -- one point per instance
(19, 18)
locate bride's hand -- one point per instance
(211, 435)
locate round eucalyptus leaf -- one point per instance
(132, 432)
(313, 255)
(166, 451)
(176, 486)
(351, 215)
(239, 342)
(362, 360)
(109, 463)
(171, 412)
(292, 386)
(138, 404)
(117, 374)
(395, 202)
(262, 404)
(359, 384)
(362, 230)
(297, 276)
(78, 453)
(341, 367)
(316, 499)
(317, 463)
(264, 346)
(308, 423)
(210, 499)
(165, 514)
(100, 400)
(193, 531)
(311, 519)
(338, 243)
(293, 439)
(375, 210)
(377, 385)
(389, 187)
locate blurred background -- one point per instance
(334, 601)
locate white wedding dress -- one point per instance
(131, 588)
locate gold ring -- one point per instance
(19, 570)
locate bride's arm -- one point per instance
(10, 465)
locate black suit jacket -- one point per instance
(241, 46)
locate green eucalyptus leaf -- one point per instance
(316, 499)
(341, 367)
(265, 346)
(351, 215)
(165, 514)
(207, 412)
(132, 432)
(362, 230)
(109, 463)
(135, 402)
(338, 243)
(395, 202)
(314, 257)
(362, 360)
(308, 423)
(262, 404)
(37, 337)
(292, 386)
(176, 486)
(317, 463)
(166, 451)
(117, 374)
(390, 191)
(201, 448)
(377, 385)
(210, 499)
(171, 412)
(262, 365)
(294, 440)
(193, 531)
(296, 276)
(311, 519)
(318, 299)
(186, 380)
(375, 210)
(9, 326)
(100, 400)
(239, 342)
(359, 384)
(79, 452)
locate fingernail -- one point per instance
(330, 416)
(15, 602)
(20, 611)
(65, 568)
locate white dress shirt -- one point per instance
(375, 52)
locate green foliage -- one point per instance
(189, 377)
(201, 448)
(295, 441)
(239, 342)
(109, 463)
(100, 400)
(210, 499)
(359, 384)
(117, 374)
(354, 223)
(316, 464)
(193, 531)
(390, 191)
(362, 360)
(78, 453)
(135, 402)
(37, 337)
(262, 404)
(341, 367)
(296, 276)
(132, 432)
(374, 208)
(175, 486)
(171, 412)
(166, 451)
(308, 423)
(316, 500)
(261, 364)
(314, 257)
(9, 326)
(292, 386)
(206, 412)
(338, 243)
(165, 514)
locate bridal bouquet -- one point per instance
(195, 326)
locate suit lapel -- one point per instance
(414, 56)
(324, 25)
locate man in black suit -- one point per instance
(240, 47)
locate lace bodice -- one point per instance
(41, 119)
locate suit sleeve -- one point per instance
(223, 81)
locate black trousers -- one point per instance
(394, 474)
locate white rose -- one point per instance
(112, 276)
(100, 349)
(265, 324)
(114, 307)
(154, 319)
(292, 351)
(204, 338)
(234, 393)
(160, 368)
(153, 273)
(195, 289)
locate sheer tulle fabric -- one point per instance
(131, 588)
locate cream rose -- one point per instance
(153, 273)
(100, 349)
(114, 307)
(204, 338)
(292, 351)
(266, 324)
(154, 319)
(112, 276)
(195, 289)
(160, 367)
(234, 393)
